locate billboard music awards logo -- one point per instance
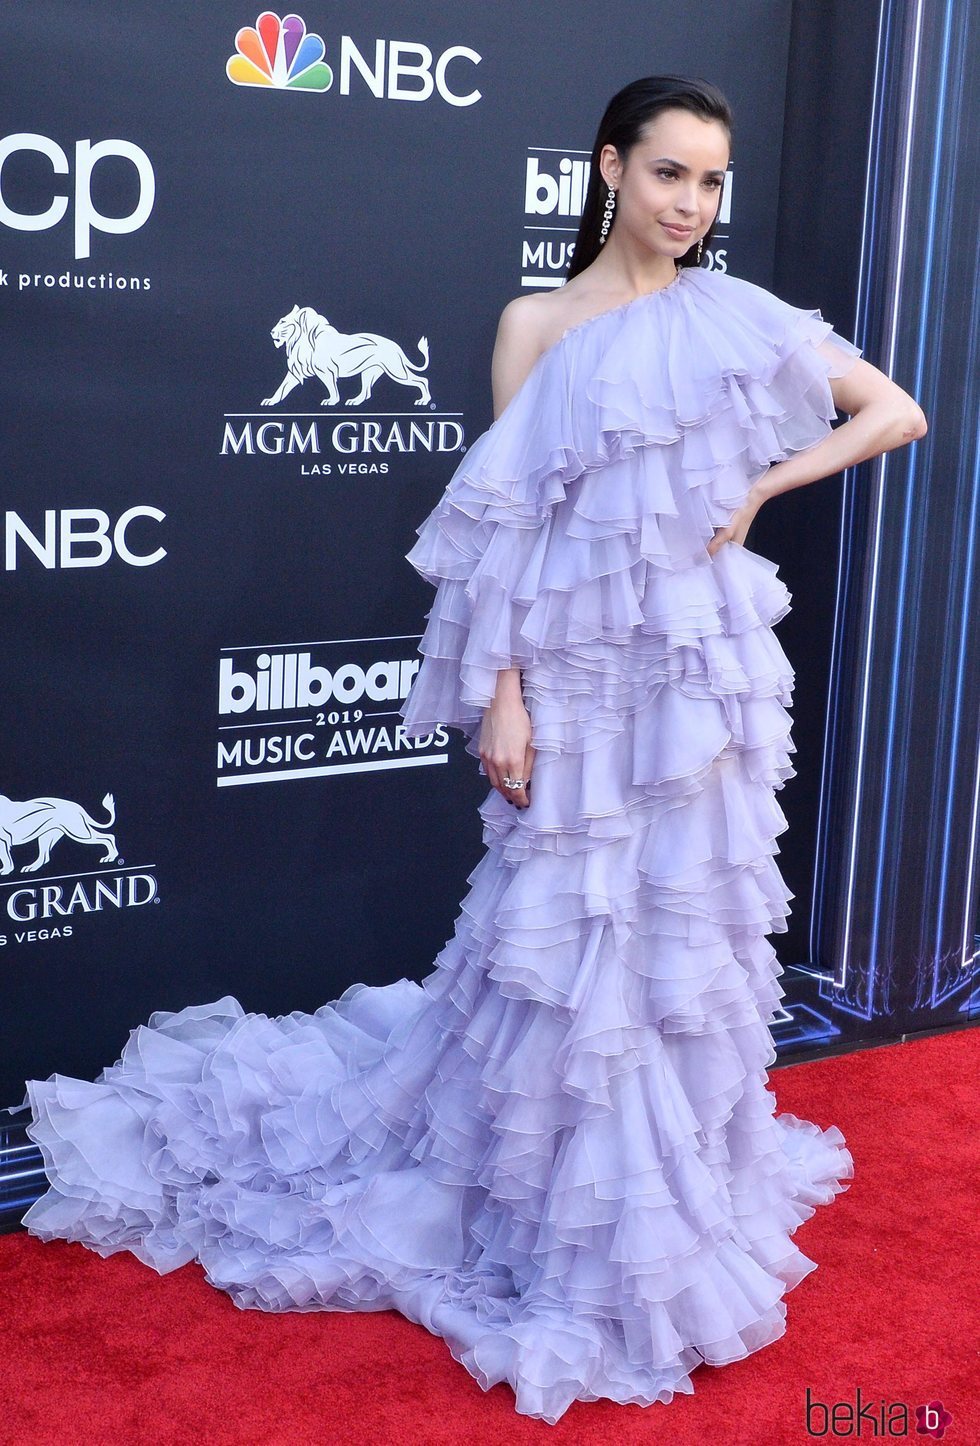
(51, 908)
(281, 54)
(308, 710)
(555, 184)
(331, 443)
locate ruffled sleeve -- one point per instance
(630, 441)
(481, 547)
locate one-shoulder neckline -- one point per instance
(580, 326)
(623, 306)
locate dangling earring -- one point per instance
(607, 216)
(700, 245)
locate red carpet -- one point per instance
(105, 1351)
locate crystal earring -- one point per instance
(700, 245)
(607, 216)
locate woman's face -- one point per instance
(672, 179)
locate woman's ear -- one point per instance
(610, 166)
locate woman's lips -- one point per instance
(679, 231)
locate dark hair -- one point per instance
(625, 116)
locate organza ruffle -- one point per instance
(585, 510)
(558, 1152)
(576, 1179)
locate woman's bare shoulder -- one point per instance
(536, 319)
(528, 326)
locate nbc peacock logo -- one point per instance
(281, 54)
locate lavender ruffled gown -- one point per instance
(559, 1151)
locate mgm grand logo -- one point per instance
(38, 911)
(319, 358)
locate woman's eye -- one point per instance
(670, 174)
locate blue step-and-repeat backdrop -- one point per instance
(209, 622)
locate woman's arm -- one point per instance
(881, 417)
(505, 735)
(516, 349)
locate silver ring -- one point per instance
(513, 782)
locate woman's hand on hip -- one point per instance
(737, 527)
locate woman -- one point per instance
(558, 1152)
(659, 216)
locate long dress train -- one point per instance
(559, 1151)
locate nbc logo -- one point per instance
(279, 53)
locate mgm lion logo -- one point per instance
(314, 348)
(46, 820)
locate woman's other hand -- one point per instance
(505, 739)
